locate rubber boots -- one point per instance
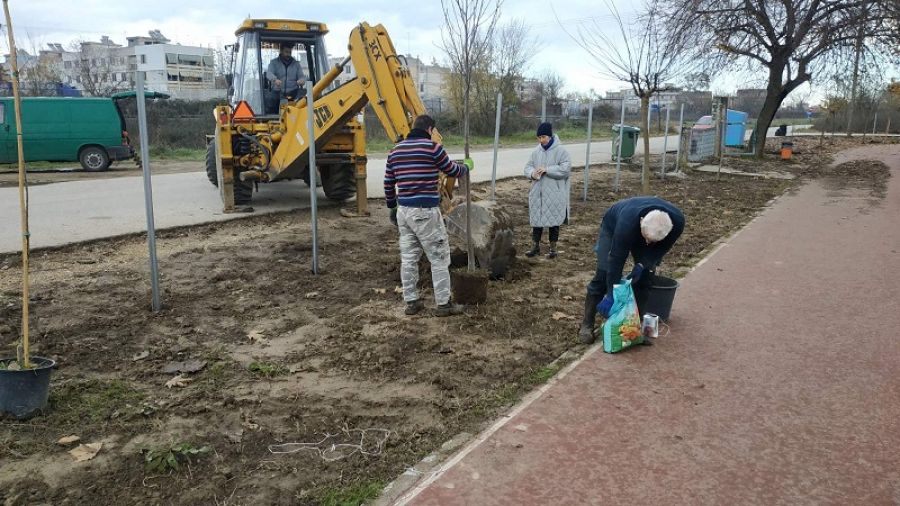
(534, 251)
(586, 332)
(553, 252)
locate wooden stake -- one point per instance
(23, 203)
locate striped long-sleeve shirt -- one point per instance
(411, 175)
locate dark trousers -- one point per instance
(597, 286)
(536, 233)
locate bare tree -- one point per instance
(501, 69)
(647, 54)
(790, 39)
(550, 84)
(467, 38)
(514, 47)
(695, 81)
(42, 73)
(96, 68)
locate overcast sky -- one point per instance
(414, 26)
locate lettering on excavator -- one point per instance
(322, 114)
(376, 51)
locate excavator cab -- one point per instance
(266, 50)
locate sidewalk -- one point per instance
(779, 382)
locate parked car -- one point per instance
(64, 129)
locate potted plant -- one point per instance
(24, 380)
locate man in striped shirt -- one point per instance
(411, 192)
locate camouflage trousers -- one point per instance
(422, 230)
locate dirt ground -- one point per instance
(306, 389)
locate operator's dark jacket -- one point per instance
(620, 234)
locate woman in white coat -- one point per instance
(548, 199)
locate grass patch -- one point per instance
(180, 154)
(38, 166)
(542, 375)
(352, 495)
(91, 402)
(267, 369)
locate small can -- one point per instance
(650, 325)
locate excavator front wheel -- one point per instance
(338, 181)
(243, 190)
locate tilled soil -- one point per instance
(291, 357)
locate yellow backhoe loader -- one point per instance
(262, 135)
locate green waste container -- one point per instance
(630, 136)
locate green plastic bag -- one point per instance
(623, 327)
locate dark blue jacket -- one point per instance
(622, 222)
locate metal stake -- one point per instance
(587, 154)
(619, 151)
(543, 108)
(678, 149)
(148, 190)
(496, 145)
(313, 184)
(665, 143)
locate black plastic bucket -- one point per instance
(23, 394)
(657, 298)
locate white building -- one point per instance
(663, 99)
(101, 68)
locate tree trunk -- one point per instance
(645, 126)
(466, 119)
(855, 83)
(776, 92)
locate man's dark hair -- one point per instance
(423, 122)
(286, 45)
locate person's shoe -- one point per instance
(553, 252)
(586, 334)
(534, 251)
(414, 307)
(449, 309)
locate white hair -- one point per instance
(656, 225)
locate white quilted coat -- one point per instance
(548, 199)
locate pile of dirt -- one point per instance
(281, 356)
(871, 176)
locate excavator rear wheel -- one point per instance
(338, 181)
(243, 190)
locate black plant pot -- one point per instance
(24, 393)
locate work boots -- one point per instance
(413, 307)
(586, 332)
(449, 309)
(534, 251)
(553, 252)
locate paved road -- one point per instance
(778, 384)
(76, 211)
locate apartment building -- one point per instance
(105, 67)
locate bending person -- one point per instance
(644, 227)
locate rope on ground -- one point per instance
(340, 445)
